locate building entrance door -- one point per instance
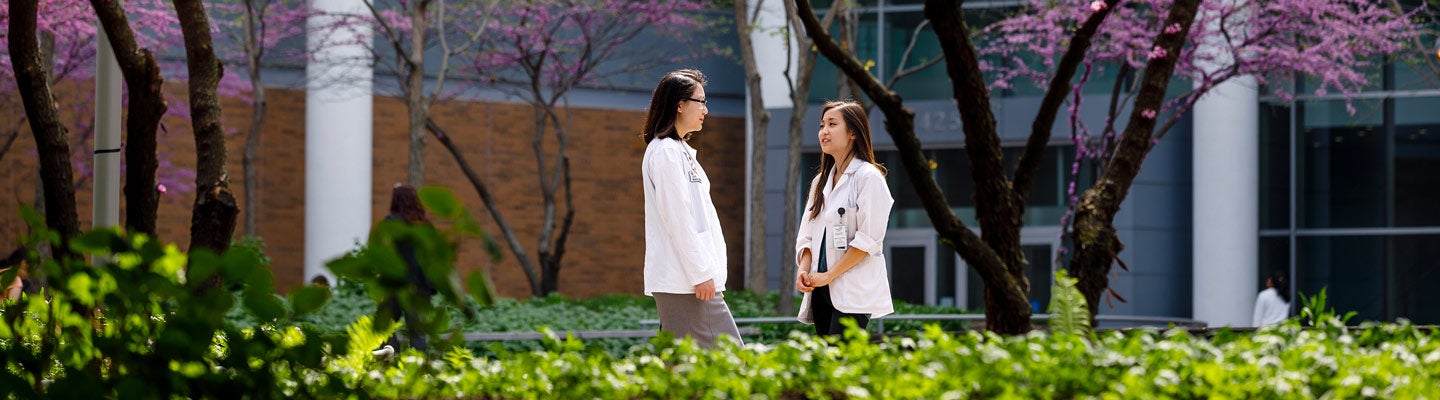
(911, 257)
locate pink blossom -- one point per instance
(1149, 113)
(161, 188)
(1173, 29)
(1097, 5)
(1157, 52)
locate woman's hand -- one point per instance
(819, 279)
(705, 291)
(801, 285)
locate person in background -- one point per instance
(838, 256)
(405, 206)
(685, 259)
(1273, 303)
(15, 287)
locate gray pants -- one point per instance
(704, 321)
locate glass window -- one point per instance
(1274, 166)
(928, 84)
(1274, 254)
(1380, 278)
(1414, 276)
(825, 83)
(1045, 206)
(1342, 171)
(1352, 268)
(1417, 161)
(1418, 74)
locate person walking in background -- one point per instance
(843, 232)
(1273, 303)
(16, 286)
(405, 206)
(685, 259)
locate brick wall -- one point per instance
(605, 250)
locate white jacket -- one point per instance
(864, 289)
(683, 243)
(1270, 309)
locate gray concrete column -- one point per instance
(1227, 203)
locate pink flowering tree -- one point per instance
(1157, 38)
(253, 28)
(1275, 42)
(539, 52)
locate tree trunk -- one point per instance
(759, 119)
(32, 81)
(146, 105)
(257, 121)
(212, 222)
(1096, 245)
(415, 93)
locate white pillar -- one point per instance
(338, 135)
(105, 210)
(770, 54)
(1227, 203)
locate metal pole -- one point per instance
(106, 205)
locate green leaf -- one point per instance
(481, 288)
(1068, 310)
(203, 265)
(97, 242)
(32, 218)
(440, 201)
(265, 307)
(307, 299)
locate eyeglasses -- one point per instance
(701, 101)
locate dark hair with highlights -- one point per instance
(675, 87)
(405, 202)
(856, 122)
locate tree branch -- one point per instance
(1055, 96)
(146, 106)
(490, 203)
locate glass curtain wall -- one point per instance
(1348, 200)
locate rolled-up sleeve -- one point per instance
(802, 235)
(873, 201)
(675, 205)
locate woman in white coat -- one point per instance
(685, 259)
(1272, 305)
(838, 249)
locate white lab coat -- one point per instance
(683, 243)
(864, 289)
(1270, 309)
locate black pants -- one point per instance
(827, 319)
(411, 329)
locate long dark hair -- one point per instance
(675, 87)
(405, 202)
(1281, 283)
(856, 122)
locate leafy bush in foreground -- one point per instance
(1287, 361)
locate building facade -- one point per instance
(1243, 185)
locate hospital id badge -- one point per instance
(838, 237)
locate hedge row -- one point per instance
(1288, 361)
